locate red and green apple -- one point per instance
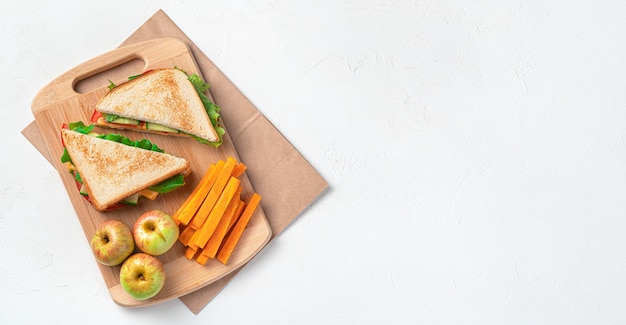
(155, 232)
(142, 276)
(112, 242)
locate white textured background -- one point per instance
(475, 150)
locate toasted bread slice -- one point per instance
(112, 171)
(161, 96)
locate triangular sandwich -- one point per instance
(165, 101)
(112, 169)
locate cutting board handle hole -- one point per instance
(117, 74)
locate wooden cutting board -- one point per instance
(65, 100)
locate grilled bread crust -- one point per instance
(112, 171)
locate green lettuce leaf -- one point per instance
(211, 108)
(66, 156)
(86, 129)
(169, 184)
(80, 127)
(143, 143)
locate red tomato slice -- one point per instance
(95, 116)
(64, 126)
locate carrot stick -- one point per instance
(231, 241)
(214, 193)
(185, 235)
(204, 187)
(190, 252)
(239, 169)
(217, 212)
(237, 213)
(192, 240)
(194, 192)
(210, 248)
(202, 259)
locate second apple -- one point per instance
(155, 232)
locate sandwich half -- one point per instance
(165, 101)
(111, 170)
